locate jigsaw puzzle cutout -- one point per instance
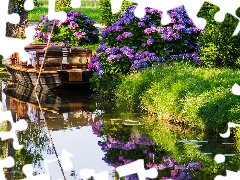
(224, 21)
(230, 176)
(20, 125)
(29, 5)
(137, 167)
(9, 45)
(12, 45)
(87, 173)
(192, 8)
(7, 162)
(220, 158)
(65, 162)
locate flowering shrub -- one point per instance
(133, 146)
(77, 30)
(132, 43)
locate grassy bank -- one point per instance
(181, 94)
(92, 13)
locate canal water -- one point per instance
(68, 134)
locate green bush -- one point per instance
(106, 11)
(63, 5)
(218, 47)
(193, 97)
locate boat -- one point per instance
(49, 67)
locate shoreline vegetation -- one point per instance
(183, 95)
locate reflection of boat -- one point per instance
(57, 108)
(61, 66)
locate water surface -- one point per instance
(68, 122)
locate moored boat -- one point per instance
(51, 67)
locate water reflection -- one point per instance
(63, 124)
(175, 154)
(66, 121)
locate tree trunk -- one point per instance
(17, 31)
(10, 27)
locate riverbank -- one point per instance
(186, 96)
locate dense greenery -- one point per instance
(63, 5)
(219, 47)
(199, 98)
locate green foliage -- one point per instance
(106, 11)
(63, 5)
(219, 47)
(198, 98)
(166, 138)
(19, 4)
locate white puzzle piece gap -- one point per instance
(8, 162)
(12, 45)
(87, 173)
(230, 125)
(236, 89)
(138, 168)
(29, 5)
(75, 3)
(230, 176)
(65, 161)
(52, 14)
(192, 8)
(20, 125)
(219, 158)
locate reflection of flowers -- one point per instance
(96, 127)
(137, 146)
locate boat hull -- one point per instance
(48, 79)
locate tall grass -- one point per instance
(198, 98)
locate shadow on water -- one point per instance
(64, 126)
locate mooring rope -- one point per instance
(49, 134)
(35, 90)
(48, 42)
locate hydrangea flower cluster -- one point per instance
(119, 152)
(131, 43)
(113, 143)
(178, 171)
(77, 30)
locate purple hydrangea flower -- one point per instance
(150, 41)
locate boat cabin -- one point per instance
(55, 64)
